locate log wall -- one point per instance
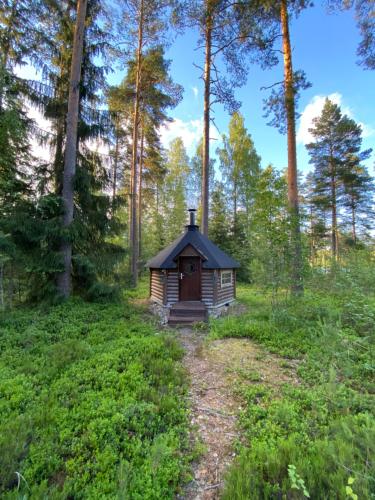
(208, 287)
(157, 286)
(172, 287)
(225, 293)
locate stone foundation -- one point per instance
(223, 310)
(162, 312)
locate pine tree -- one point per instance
(220, 35)
(337, 141)
(157, 93)
(194, 186)
(358, 198)
(283, 104)
(146, 23)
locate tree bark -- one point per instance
(235, 207)
(2, 304)
(334, 215)
(354, 230)
(59, 158)
(133, 235)
(297, 283)
(140, 195)
(115, 166)
(64, 278)
(206, 119)
(5, 53)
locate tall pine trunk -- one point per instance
(297, 283)
(354, 229)
(59, 158)
(5, 49)
(334, 234)
(133, 235)
(140, 195)
(115, 166)
(64, 279)
(206, 119)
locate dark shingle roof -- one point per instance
(213, 257)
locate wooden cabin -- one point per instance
(192, 278)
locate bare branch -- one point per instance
(273, 85)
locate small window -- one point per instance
(226, 278)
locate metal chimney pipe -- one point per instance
(192, 216)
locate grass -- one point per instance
(325, 426)
(92, 404)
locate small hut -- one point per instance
(192, 278)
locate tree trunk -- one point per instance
(297, 283)
(334, 235)
(64, 278)
(206, 120)
(235, 207)
(2, 304)
(133, 236)
(140, 195)
(354, 229)
(58, 163)
(115, 166)
(5, 53)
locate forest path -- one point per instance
(217, 368)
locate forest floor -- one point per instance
(217, 368)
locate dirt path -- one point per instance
(215, 371)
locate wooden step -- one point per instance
(188, 305)
(185, 320)
(187, 312)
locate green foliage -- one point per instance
(297, 482)
(92, 404)
(325, 426)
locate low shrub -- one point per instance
(92, 404)
(314, 440)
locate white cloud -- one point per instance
(41, 151)
(311, 111)
(195, 91)
(314, 109)
(190, 131)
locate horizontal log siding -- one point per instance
(157, 286)
(207, 287)
(172, 287)
(227, 293)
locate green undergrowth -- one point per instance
(317, 438)
(92, 404)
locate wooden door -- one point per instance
(190, 278)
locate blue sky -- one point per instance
(324, 46)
